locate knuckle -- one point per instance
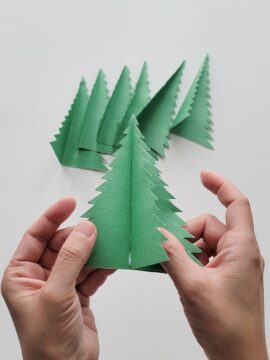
(210, 218)
(244, 200)
(256, 260)
(4, 286)
(70, 253)
(171, 248)
(262, 263)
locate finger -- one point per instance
(94, 281)
(49, 255)
(39, 234)
(180, 265)
(58, 239)
(205, 248)
(83, 274)
(238, 213)
(72, 257)
(208, 228)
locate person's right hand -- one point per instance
(223, 301)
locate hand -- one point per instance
(47, 288)
(223, 301)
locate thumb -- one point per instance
(179, 267)
(72, 257)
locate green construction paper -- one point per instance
(115, 111)
(131, 205)
(140, 98)
(171, 221)
(193, 120)
(96, 106)
(66, 144)
(156, 118)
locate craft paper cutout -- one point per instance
(140, 98)
(96, 124)
(66, 145)
(156, 118)
(133, 203)
(193, 120)
(114, 112)
(97, 104)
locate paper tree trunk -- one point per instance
(132, 204)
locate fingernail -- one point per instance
(85, 227)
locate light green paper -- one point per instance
(128, 211)
(115, 111)
(140, 98)
(66, 144)
(156, 118)
(193, 120)
(96, 106)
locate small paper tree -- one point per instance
(128, 211)
(66, 145)
(193, 120)
(156, 118)
(95, 110)
(115, 111)
(140, 98)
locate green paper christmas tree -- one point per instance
(193, 120)
(114, 112)
(156, 118)
(97, 104)
(140, 98)
(66, 143)
(133, 203)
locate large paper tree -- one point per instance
(193, 120)
(156, 118)
(133, 203)
(114, 112)
(66, 143)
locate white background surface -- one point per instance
(46, 46)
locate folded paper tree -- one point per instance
(96, 107)
(193, 120)
(132, 205)
(66, 143)
(95, 125)
(156, 118)
(114, 112)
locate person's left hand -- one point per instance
(47, 288)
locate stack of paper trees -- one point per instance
(132, 205)
(95, 124)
